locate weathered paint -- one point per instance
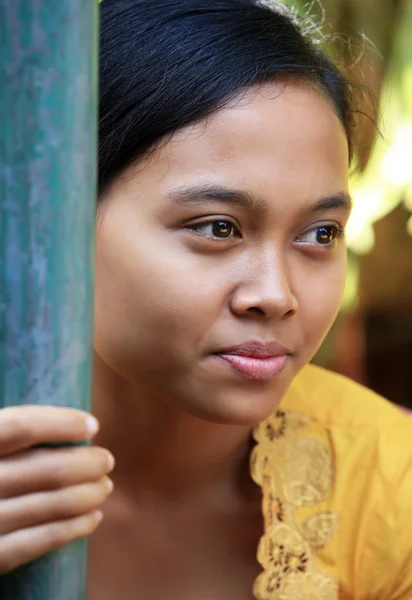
(48, 111)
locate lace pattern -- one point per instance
(294, 470)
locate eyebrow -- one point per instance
(192, 195)
(197, 194)
(341, 200)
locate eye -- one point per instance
(325, 235)
(216, 229)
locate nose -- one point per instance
(266, 289)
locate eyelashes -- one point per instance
(323, 235)
(221, 230)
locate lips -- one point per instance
(255, 360)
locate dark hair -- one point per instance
(166, 63)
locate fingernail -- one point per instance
(110, 461)
(92, 425)
(109, 485)
(98, 515)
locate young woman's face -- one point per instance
(230, 234)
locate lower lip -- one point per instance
(257, 369)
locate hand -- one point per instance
(49, 496)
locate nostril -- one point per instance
(256, 310)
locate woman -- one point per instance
(225, 140)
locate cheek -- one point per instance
(150, 307)
(320, 295)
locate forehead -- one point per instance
(282, 139)
(284, 129)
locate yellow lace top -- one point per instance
(335, 467)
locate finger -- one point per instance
(23, 546)
(42, 470)
(25, 426)
(45, 507)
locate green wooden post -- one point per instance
(48, 113)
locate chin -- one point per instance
(246, 406)
(234, 400)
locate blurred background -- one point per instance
(371, 341)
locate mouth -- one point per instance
(256, 361)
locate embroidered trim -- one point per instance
(294, 470)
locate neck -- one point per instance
(164, 452)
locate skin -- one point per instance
(184, 519)
(168, 295)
